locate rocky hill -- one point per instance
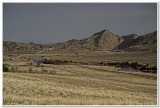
(103, 40)
(17, 47)
(133, 42)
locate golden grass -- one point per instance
(78, 85)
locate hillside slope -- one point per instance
(147, 42)
(17, 47)
(103, 40)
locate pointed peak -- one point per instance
(104, 30)
(101, 32)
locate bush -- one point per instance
(38, 64)
(30, 70)
(5, 68)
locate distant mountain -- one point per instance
(17, 47)
(128, 40)
(133, 42)
(103, 40)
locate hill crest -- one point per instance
(102, 40)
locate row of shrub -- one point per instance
(57, 61)
(30, 70)
(135, 65)
(62, 62)
(141, 67)
(7, 69)
(43, 71)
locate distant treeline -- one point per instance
(141, 67)
(57, 62)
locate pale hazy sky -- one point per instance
(52, 22)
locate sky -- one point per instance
(59, 22)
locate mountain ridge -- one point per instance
(102, 40)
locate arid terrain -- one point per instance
(82, 72)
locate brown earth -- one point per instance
(103, 40)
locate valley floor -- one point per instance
(78, 85)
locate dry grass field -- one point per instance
(76, 84)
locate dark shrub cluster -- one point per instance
(58, 62)
(141, 67)
(5, 68)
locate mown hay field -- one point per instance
(77, 85)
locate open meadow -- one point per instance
(29, 83)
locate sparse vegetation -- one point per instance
(71, 80)
(82, 72)
(81, 86)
